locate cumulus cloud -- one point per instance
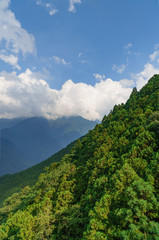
(27, 95)
(16, 38)
(10, 59)
(72, 5)
(13, 38)
(127, 83)
(154, 55)
(143, 77)
(149, 70)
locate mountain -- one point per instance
(5, 123)
(27, 142)
(12, 183)
(8, 152)
(106, 187)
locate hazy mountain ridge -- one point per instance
(6, 123)
(27, 142)
(107, 187)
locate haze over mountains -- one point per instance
(26, 142)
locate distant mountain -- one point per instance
(5, 123)
(26, 142)
(8, 151)
(11, 183)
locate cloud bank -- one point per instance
(27, 95)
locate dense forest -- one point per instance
(105, 188)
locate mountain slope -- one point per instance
(8, 150)
(33, 140)
(6, 123)
(12, 183)
(107, 187)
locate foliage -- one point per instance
(10, 184)
(107, 187)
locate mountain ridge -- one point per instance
(32, 140)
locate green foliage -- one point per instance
(10, 184)
(105, 188)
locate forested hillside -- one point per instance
(12, 183)
(107, 187)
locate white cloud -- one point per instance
(59, 60)
(99, 77)
(119, 69)
(53, 11)
(16, 38)
(154, 55)
(143, 77)
(4, 4)
(72, 5)
(10, 59)
(149, 69)
(50, 8)
(13, 38)
(27, 95)
(127, 83)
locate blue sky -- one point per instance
(74, 57)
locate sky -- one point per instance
(75, 57)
